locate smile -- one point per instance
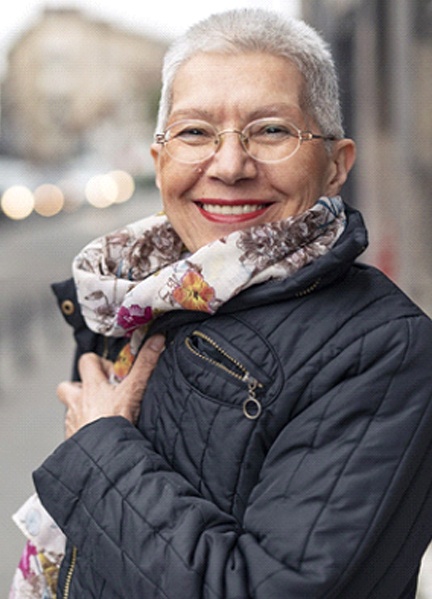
(229, 209)
(231, 212)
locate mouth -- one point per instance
(233, 211)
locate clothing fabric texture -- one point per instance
(283, 448)
(127, 278)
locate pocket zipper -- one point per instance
(252, 407)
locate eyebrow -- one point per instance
(262, 111)
(276, 110)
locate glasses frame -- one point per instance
(302, 136)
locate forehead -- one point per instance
(226, 83)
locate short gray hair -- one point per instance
(258, 30)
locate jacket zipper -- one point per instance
(309, 289)
(252, 407)
(70, 573)
(105, 352)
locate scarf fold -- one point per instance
(127, 278)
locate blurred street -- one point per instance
(36, 346)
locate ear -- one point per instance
(342, 161)
(155, 150)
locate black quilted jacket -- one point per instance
(284, 450)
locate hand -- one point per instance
(95, 397)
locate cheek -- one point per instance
(174, 179)
(176, 191)
(307, 174)
(291, 178)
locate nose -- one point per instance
(231, 163)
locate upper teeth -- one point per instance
(228, 209)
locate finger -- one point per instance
(68, 391)
(69, 428)
(91, 369)
(148, 356)
(145, 362)
(107, 367)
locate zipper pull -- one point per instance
(251, 406)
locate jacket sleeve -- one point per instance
(343, 495)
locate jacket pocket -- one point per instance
(208, 350)
(221, 370)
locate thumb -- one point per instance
(145, 363)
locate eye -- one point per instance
(192, 133)
(268, 132)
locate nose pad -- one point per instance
(231, 161)
(239, 136)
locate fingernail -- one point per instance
(157, 343)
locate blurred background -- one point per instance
(79, 86)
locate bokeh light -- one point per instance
(49, 200)
(114, 187)
(125, 185)
(17, 202)
(101, 191)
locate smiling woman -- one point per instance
(263, 400)
(233, 189)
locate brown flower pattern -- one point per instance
(288, 242)
(141, 271)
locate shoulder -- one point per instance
(370, 300)
(339, 330)
(361, 301)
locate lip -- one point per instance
(232, 218)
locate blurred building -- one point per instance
(384, 53)
(76, 85)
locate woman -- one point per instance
(282, 447)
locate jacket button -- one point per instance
(67, 307)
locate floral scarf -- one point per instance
(127, 278)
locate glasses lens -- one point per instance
(271, 140)
(191, 141)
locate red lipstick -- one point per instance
(241, 210)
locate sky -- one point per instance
(161, 17)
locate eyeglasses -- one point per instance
(265, 140)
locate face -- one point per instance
(231, 191)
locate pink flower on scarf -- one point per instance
(24, 564)
(133, 317)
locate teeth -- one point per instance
(226, 209)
